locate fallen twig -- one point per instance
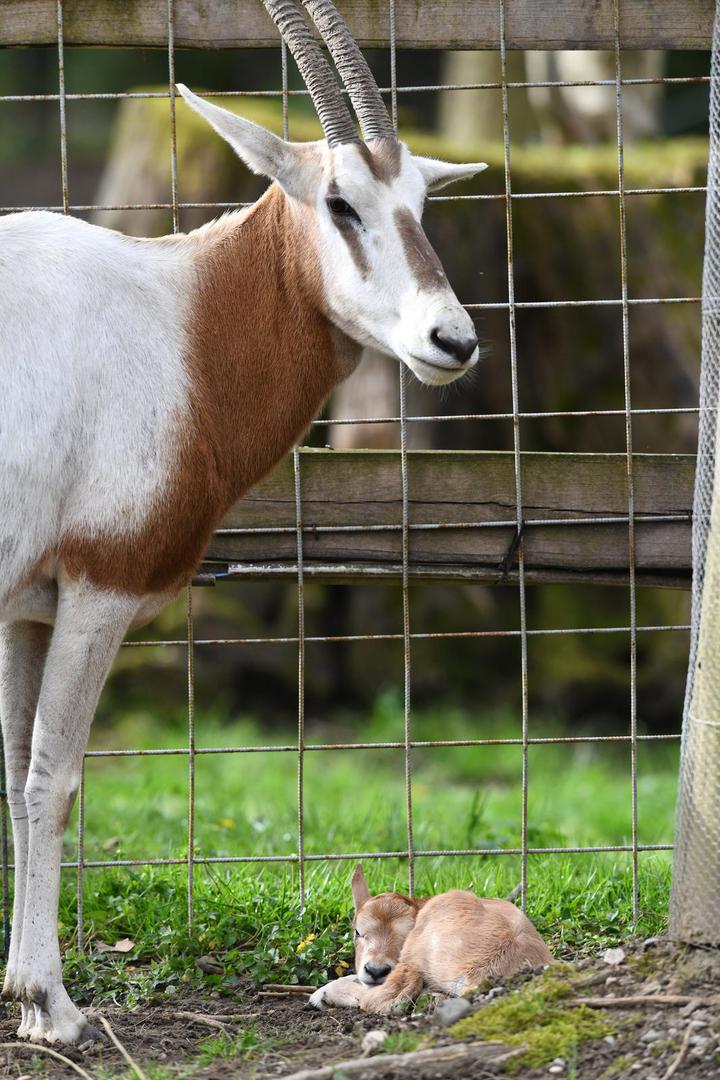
(220, 1022)
(113, 1037)
(285, 992)
(681, 1054)
(644, 999)
(290, 988)
(492, 1053)
(38, 1048)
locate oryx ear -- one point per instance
(360, 891)
(262, 152)
(437, 174)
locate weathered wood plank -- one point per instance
(463, 24)
(467, 501)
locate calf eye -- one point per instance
(338, 206)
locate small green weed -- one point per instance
(242, 1044)
(151, 1072)
(401, 1042)
(618, 1068)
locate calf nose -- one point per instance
(378, 971)
(460, 348)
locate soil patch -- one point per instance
(638, 1014)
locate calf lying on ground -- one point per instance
(448, 944)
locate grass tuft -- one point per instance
(249, 917)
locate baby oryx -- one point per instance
(146, 386)
(447, 944)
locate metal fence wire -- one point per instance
(520, 521)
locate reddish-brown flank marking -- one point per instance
(261, 362)
(424, 264)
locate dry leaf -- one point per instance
(209, 965)
(122, 946)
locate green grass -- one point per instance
(249, 915)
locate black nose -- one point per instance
(378, 971)
(461, 349)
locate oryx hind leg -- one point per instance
(89, 627)
(23, 648)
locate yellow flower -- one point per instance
(341, 968)
(226, 823)
(304, 943)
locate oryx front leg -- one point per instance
(23, 648)
(88, 631)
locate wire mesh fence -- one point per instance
(408, 637)
(697, 860)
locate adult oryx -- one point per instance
(146, 385)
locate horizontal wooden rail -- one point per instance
(454, 24)
(462, 518)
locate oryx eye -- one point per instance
(338, 206)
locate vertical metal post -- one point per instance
(80, 876)
(517, 462)
(630, 476)
(301, 680)
(407, 666)
(191, 758)
(190, 632)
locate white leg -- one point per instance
(347, 991)
(88, 631)
(23, 648)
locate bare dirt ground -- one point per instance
(670, 1027)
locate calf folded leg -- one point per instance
(89, 628)
(23, 648)
(400, 988)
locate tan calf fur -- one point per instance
(447, 944)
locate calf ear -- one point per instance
(360, 891)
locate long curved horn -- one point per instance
(334, 115)
(354, 71)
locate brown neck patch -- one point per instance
(261, 360)
(424, 264)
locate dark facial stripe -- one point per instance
(383, 158)
(424, 264)
(350, 234)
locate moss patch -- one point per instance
(535, 1017)
(618, 1068)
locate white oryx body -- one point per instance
(146, 385)
(92, 340)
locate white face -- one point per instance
(384, 284)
